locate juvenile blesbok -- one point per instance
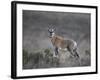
(60, 43)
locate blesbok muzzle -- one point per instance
(50, 35)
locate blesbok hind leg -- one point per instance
(77, 56)
(70, 51)
(73, 52)
(76, 53)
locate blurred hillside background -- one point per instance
(37, 48)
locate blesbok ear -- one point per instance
(49, 29)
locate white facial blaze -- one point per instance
(53, 34)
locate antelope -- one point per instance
(59, 43)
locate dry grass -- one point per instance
(45, 59)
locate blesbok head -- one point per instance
(51, 31)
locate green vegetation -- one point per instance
(44, 59)
(87, 52)
(40, 59)
(25, 57)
